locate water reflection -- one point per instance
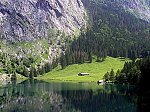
(38, 96)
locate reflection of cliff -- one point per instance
(33, 96)
(43, 103)
(47, 101)
(26, 98)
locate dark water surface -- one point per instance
(38, 96)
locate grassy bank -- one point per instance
(95, 69)
(6, 79)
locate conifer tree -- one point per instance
(112, 76)
(63, 61)
(25, 72)
(106, 77)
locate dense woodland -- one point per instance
(132, 72)
(144, 88)
(24, 66)
(135, 73)
(112, 32)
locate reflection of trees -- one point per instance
(32, 96)
(88, 101)
(144, 91)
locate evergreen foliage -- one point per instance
(112, 32)
(112, 76)
(106, 77)
(144, 88)
(24, 66)
(132, 72)
(13, 77)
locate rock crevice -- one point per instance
(29, 19)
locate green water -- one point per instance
(38, 96)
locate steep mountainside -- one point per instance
(139, 8)
(113, 13)
(114, 30)
(29, 19)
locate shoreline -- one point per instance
(69, 80)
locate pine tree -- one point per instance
(13, 77)
(42, 70)
(63, 61)
(90, 57)
(9, 69)
(35, 72)
(46, 67)
(25, 72)
(31, 75)
(117, 77)
(106, 77)
(112, 76)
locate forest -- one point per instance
(132, 72)
(111, 31)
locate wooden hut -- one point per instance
(83, 74)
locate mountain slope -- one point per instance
(113, 14)
(113, 31)
(30, 19)
(140, 8)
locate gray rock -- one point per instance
(139, 8)
(30, 19)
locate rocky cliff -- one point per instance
(140, 8)
(31, 19)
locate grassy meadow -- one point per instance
(95, 69)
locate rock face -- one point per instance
(140, 8)
(30, 19)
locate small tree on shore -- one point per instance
(13, 77)
(112, 76)
(106, 77)
(25, 72)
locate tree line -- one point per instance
(132, 72)
(24, 66)
(112, 31)
(101, 45)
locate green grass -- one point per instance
(19, 77)
(95, 69)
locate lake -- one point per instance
(39, 96)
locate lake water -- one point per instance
(39, 96)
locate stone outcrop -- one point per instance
(31, 19)
(140, 8)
